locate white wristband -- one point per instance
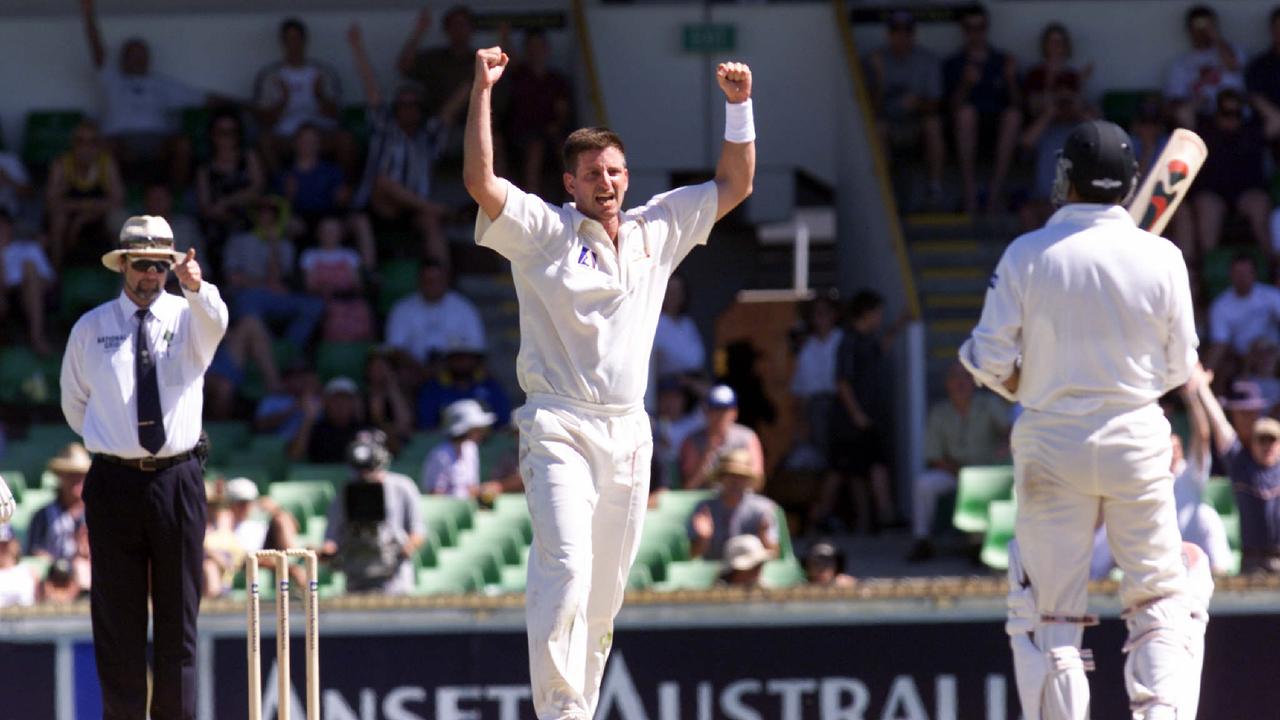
(739, 126)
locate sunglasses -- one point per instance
(1264, 439)
(160, 266)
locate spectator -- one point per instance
(538, 115)
(389, 408)
(60, 586)
(84, 188)
(259, 267)
(375, 527)
(1259, 368)
(247, 339)
(967, 428)
(677, 345)
(332, 273)
(1245, 406)
(1197, 77)
(1055, 103)
(813, 382)
(677, 418)
(17, 583)
(906, 91)
(703, 452)
(982, 84)
(860, 443)
(140, 108)
(744, 559)
(53, 529)
(316, 190)
(1245, 312)
(453, 466)
(229, 184)
(243, 523)
(27, 279)
(1255, 477)
(1234, 176)
(441, 71)
(157, 200)
(397, 182)
(15, 184)
(280, 413)
(824, 567)
(1198, 521)
(734, 510)
(424, 324)
(328, 425)
(462, 376)
(298, 90)
(1262, 75)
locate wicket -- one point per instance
(280, 559)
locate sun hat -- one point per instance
(143, 236)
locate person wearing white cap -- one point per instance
(132, 387)
(744, 559)
(702, 451)
(590, 278)
(453, 467)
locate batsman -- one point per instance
(1087, 322)
(590, 279)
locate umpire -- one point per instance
(132, 386)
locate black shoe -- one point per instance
(922, 550)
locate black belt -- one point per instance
(146, 464)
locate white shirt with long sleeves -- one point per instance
(452, 470)
(420, 327)
(98, 395)
(1098, 311)
(1239, 321)
(588, 311)
(815, 372)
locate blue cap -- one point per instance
(721, 397)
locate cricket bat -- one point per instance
(1167, 183)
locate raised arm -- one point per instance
(1200, 437)
(408, 53)
(736, 170)
(369, 81)
(97, 52)
(485, 187)
(1224, 436)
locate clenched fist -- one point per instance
(490, 62)
(735, 81)
(188, 271)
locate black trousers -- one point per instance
(146, 531)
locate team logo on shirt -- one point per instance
(587, 257)
(111, 342)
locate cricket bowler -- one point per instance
(1087, 322)
(590, 280)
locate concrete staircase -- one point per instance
(952, 259)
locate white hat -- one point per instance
(241, 489)
(721, 397)
(71, 459)
(743, 552)
(341, 384)
(145, 235)
(463, 416)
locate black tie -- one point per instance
(150, 418)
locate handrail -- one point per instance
(863, 100)
(594, 92)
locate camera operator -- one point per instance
(375, 524)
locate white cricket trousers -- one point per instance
(586, 477)
(1067, 469)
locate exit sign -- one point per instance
(710, 37)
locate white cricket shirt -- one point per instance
(1240, 321)
(1098, 310)
(98, 397)
(588, 312)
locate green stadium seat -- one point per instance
(442, 524)
(314, 536)
(461, 509)
(690, 575)
(1219, 495)
(475, 553)
(655, 555)
(25, 378)
(17, 482)
(336, 474)
(785, 550)
(514, 509)
(514, 578)
(978, 486)
(335, 359)
(83, 288)
(455, 579)
(270, 451)
(398, 278)
(426, 555)
(1231, 523)
(639, 578)
(782, 573)
(47, 134)
(225, 437)
(995, 545)
(502, 534)
(679, 504)
(314, 495)
(493, 451)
